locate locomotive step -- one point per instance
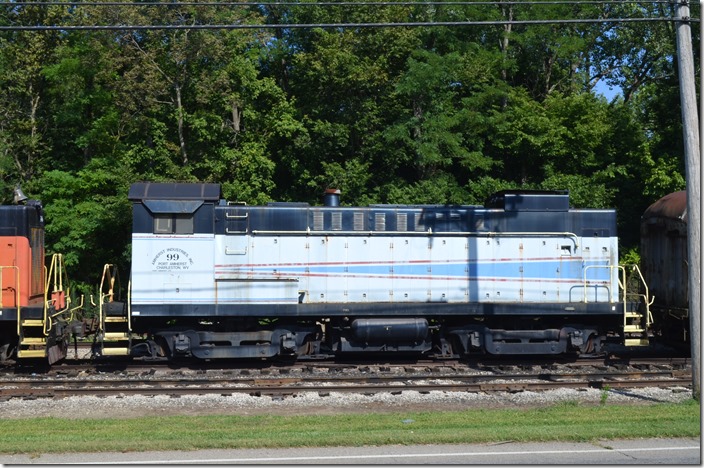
(32, 323)
(112, 319)
(31, 353)
(115, 351)
(116, 336)
(33, 341)
(633, 329)
(637, 342)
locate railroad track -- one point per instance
(74, 367)
(286, 386)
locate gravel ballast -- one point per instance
(332, 403)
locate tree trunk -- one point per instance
(179, 116)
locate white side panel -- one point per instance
(315, 269)
(341, 269)
(458, 283)
(411, 269)
(508, 285)
(250, 270)
(257, 291)
(378, 265)
(358, 284)
(484, 269)
(336, 266)
(602, 282)
(178, 292)
(440, 256)
(294, 264)
(172, 269)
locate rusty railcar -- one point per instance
(664, 264)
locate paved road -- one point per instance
(654, 451)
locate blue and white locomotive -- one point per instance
(523, 274)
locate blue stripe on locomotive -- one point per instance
(458, 269)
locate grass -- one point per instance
(564, 422)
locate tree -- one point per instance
(89, 219)
(24, 148)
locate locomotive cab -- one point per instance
(183, 237)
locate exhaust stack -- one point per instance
(331, 197)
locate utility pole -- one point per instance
(693, 153)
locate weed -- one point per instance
(604, 394)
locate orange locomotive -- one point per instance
(34, 306)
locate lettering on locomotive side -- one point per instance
(172, 259)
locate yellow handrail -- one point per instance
(110, 272)
(57, 272)
(79, 306)
(623, 289)
(129, 305)
(647, 300)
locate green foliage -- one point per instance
(88, 218)
(157, 158)
(663, 176)
(604, 395)
(352, 178)
(629, 257)
(435, 123)
(441, 189)
(252, 180)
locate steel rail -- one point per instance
(33, 393)
(365, 379)
(73, 367)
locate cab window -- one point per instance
(173, 224)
